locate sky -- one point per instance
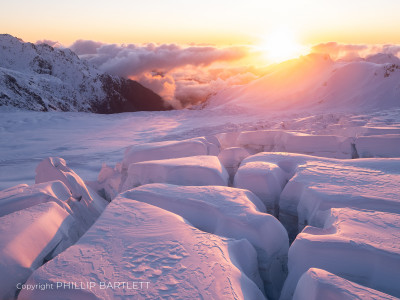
(220, 22)
(186, 50)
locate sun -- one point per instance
(280, 45)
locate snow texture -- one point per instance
(360, 246)
(23, 196)
(138, 242)
(193, 170)
(30, 237)
(318, 284)
(227, 212)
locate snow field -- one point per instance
(227, 212)
(134, 242)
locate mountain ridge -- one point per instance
(43, 78)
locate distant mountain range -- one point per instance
(316, 82)
(43, 78)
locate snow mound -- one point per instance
(88, 203)
(385, 145)
(231, 159)
(194, 170)
(227, 212)
(264, 179)
(23, 196)
(134, 243)
(317, 184)
(167, 150)
(30, 237)
(318, 284)
(284, 141)
(360, 246)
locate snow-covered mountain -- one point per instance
(317, 82)
(43, 78)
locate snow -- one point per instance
(285, 141)
(138, 242)
(315, 82)
(28, 238)
(86, 204)
(87, 141)
(108, 181)
(316, 184)
(322, 184)
(318, 284)
(231, 158)
(24, 196)
(194, 170)
(163, 150)
(264, 179)
(54, 74)
(360, 246)
(228, 212)
(385, 145)
(333, 110)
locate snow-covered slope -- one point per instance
(43, 78)
(316, 82)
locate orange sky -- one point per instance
(219, 22)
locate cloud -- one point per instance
(84, 47)
(354, 51)
(54, 44)
(131, 60)
(336, 50)
(181, 75)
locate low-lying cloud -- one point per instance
(130, 60)
(354, 51)
(181, 75)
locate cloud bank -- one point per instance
(181, 75)
(354, 51)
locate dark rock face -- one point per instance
(43, 78)
(123, 95)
